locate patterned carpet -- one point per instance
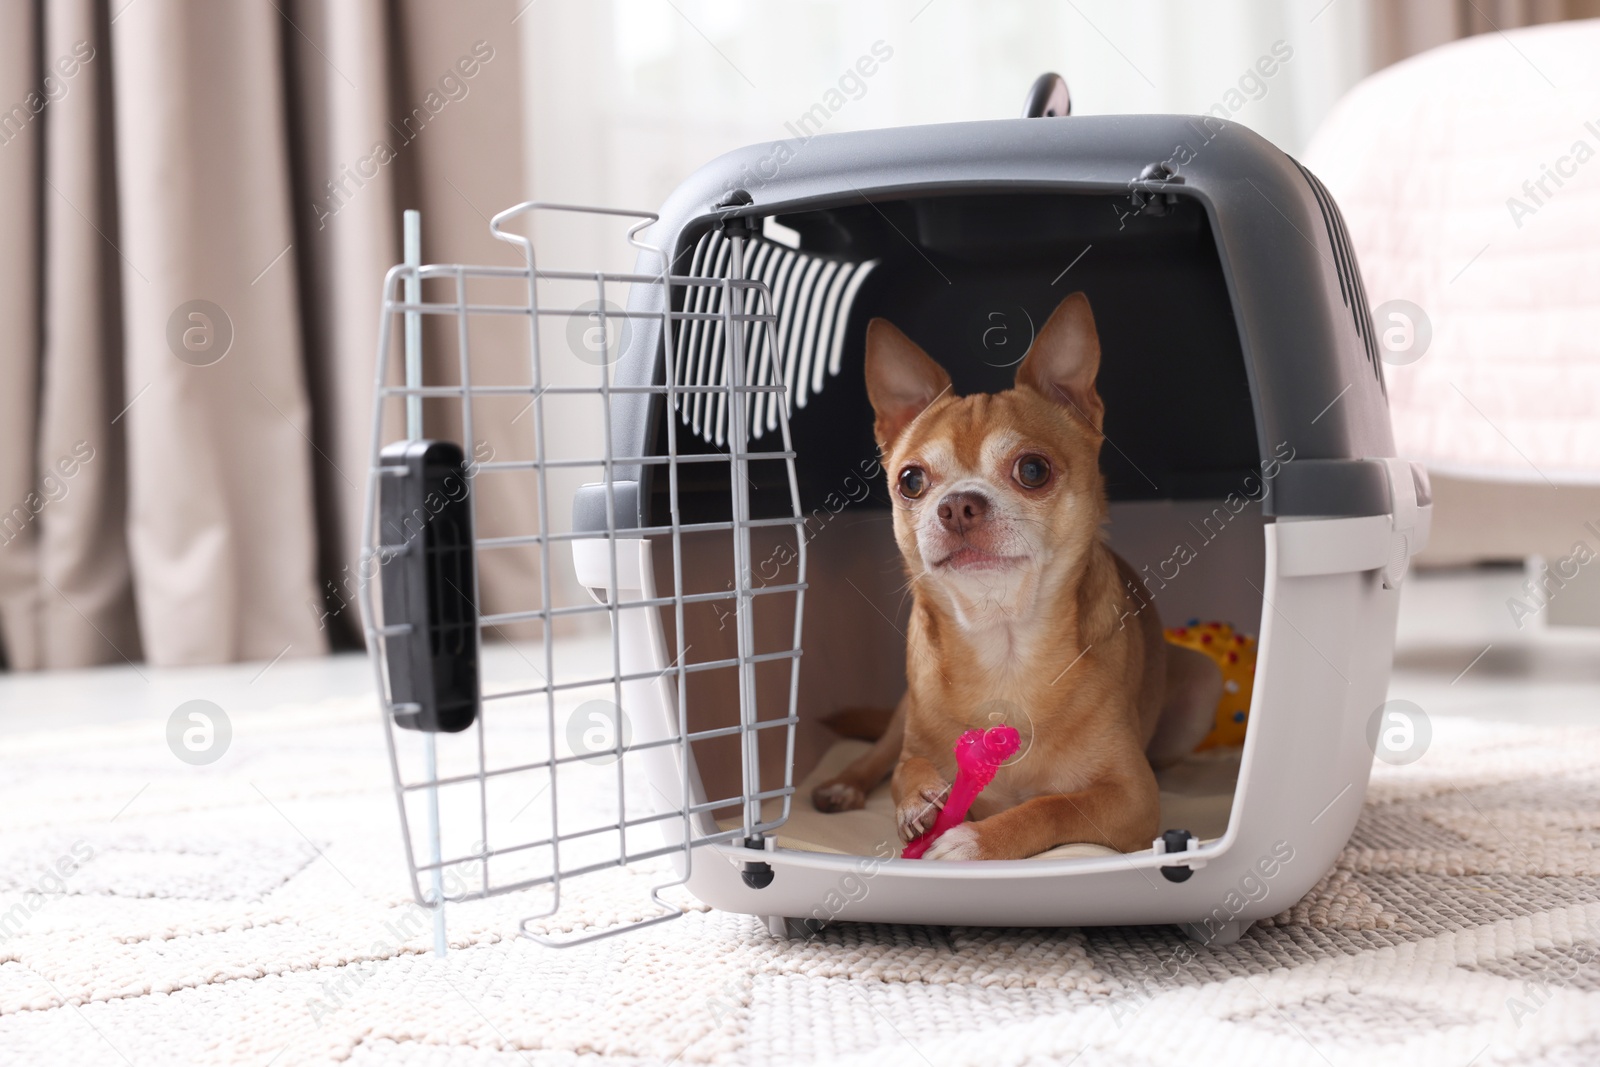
(251, 911)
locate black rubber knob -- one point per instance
(757, 875)
(1176, 841)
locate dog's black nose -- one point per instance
(960, 512)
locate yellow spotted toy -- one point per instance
(1236, 655)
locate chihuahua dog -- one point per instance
(1019, 604)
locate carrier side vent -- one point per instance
(1344, 263)
(811, 296)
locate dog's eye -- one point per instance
(913, 482)
(1032, 471)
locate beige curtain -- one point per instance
(1402, 28)
(202, 199)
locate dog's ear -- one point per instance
(1065, 358)
(901, 380)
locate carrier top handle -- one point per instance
(1048, 99)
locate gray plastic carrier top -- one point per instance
(1226, 294)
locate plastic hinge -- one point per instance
(758, 875)
(1172, 842)
(1403, 515)
(1147, 192)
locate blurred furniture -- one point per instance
(1470, 180)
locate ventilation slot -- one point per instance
(1344, 263)
(811, 296)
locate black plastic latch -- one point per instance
(429, 604)
(756, 874)
(1176, 841)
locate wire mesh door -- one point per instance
(537, 662)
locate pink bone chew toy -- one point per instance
(979, 754)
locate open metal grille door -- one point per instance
(536, 677)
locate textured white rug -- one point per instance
(253, 911)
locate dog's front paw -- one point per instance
(838, 795)
(957, 843)
(916, 813)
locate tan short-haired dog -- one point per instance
(1019, 603)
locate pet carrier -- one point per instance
(730, 525)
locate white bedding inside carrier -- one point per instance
(1196, 794)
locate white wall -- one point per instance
(627, 97)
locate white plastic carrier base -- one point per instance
(1267, 830)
